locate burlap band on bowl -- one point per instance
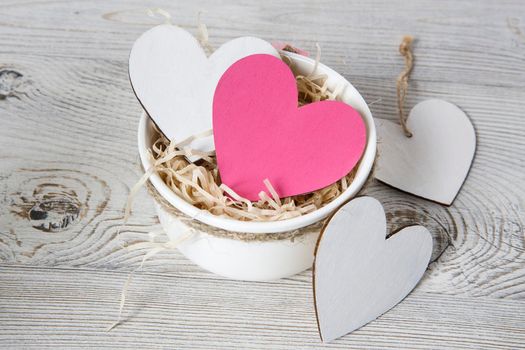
(217, 232)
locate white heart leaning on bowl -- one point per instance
(360, 274)
(258, 260)
(175, 81)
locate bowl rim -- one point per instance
(204, 216)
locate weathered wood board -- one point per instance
(68, 158)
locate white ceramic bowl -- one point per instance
(258, 261)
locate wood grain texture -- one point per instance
(71, 308)
(68, 158)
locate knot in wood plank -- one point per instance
(9, 81)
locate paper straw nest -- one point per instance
(199, 183)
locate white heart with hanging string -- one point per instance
(435, 161)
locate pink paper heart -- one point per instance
(260, 133)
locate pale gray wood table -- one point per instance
(68, 158)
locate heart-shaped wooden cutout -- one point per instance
(435, 161)
(358, 274)
(260, 133)
(175, 81)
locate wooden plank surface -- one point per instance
(73, 307)
(68, 158)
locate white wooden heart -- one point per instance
(435, 161)
(358, 275)
(175, 81)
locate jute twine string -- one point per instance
(405, 49)
(153, 12)
(217, 232)
(153, 248)
(202, 35)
